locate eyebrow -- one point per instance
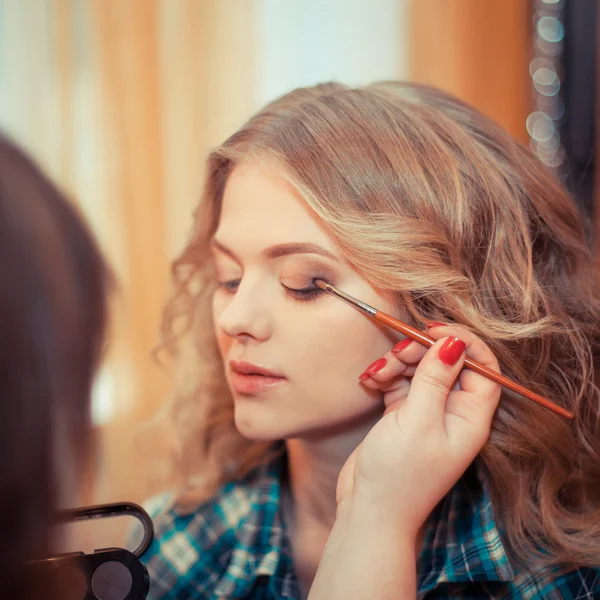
(280, 250)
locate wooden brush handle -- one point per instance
(425, 340)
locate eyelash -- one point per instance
(228, 285)
(303, 295)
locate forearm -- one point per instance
(366, 556)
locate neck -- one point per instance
(314, 466)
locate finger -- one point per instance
(384, 382)
(391, 388)
(400, 360)
(395, 397)
(396, 392)
(394, 368)
(475, 347)
(477, 350)
(408, 351)
(434, 378)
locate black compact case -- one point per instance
(105, 574)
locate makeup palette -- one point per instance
(105, 574)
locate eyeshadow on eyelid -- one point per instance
(308, 271)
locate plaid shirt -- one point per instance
(235, 546)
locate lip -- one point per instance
(247, 378)
(246, 368)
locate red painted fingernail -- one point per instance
(372, 369)
(401, 345)
(434, 324)
(451, 351)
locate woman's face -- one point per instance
(292, 354)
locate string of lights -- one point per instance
(543, 124)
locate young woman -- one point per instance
(53, 296)
(297, 482)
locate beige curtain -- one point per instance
(119, 100)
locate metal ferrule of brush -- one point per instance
(362, 306)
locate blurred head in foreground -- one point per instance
(53, 295)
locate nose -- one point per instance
(246, 315)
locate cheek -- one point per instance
(224, 343)
(328, 361)
(338, 350)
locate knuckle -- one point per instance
(435, 381)
(399, 367)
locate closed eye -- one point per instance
(229, 286)
(304, 294)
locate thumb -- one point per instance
(434, 378)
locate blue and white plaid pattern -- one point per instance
(235, 546)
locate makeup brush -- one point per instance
(425, 340)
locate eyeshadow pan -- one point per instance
(112, 580)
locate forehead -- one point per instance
(258, 204)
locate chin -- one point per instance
(265, 426)
(259, 425)
(250, 422)
(257, 435)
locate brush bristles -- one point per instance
(358, 304)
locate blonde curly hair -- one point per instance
(433, 202)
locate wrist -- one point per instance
(376, 520)
(369, 554)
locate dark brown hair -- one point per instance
(53, 290)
